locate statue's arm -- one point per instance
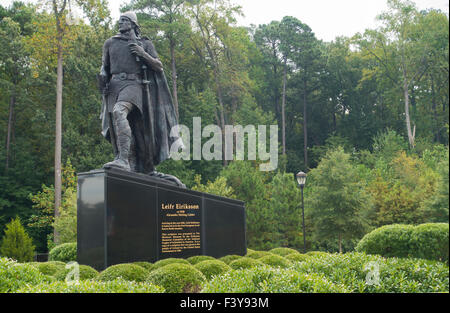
(143, 52)
(105, 71)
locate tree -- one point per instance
(16, 243)
(337, 203)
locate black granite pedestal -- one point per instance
(127, 217)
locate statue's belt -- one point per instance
(126, 76)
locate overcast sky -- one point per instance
(327, 18)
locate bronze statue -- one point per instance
(138, 112)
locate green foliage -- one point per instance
(49, 268)
(89, 286)
(16, 275)
(353, 270)
(16, 243)
(218, 187)
(428, 241)
(167, 261)
(211, 268)
(65, 252)
(128, 271)
(270, 280)
(86, 272)
(283, 251)
(230, 258)
(147, 265)
(296, 257)
(257, 254)
(177, 277)
(244, 262)
(199, 258)
(275, 261)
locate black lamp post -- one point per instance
(301, 180)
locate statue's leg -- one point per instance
(123, 134)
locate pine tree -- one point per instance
(16, 243)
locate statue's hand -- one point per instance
(136, 49)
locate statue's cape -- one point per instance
(162, 110)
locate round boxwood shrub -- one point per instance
(86, 272)
(316, 253)
(127, 271)
(210, 268)
(177, 277)
(245, 262)
(275, 261)
(147, 265)
(283, 251)
(230, 258)
(65, 252)
(257, 254)
(49, 268)
(167, 261)
(14, 276)
(90, 286)
(297, 257)
(430, 241)
(199, 258)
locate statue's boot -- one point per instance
(123, 143)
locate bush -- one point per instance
(177, 277)
(245, 262)
(90, 286)
(270, 280)
(316, 253)
(297, 257)
(230, 258)
(147, 265)
(14, 276)
(257, 254)
(275, 260)
(357, 271)
(283, 251)
(49, 268)
(86, 272)
(211, 268)
(128, 271)
(16, 243)
(66, 252)
(167, 261)
(199, 258)
(429, 241)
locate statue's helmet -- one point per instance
(132, 16)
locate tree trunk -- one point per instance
(221, 112)
(283, 108)
(407, 118)
(58, 134)
(305, 128)
(174, 78)
(340, 243)
(435, 116)
(12, 103)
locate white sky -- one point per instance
(327, 18)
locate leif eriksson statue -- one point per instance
(138, 113)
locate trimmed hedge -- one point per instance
(65, 252)
(297, 257)
(211, 268)
(245, 262)
(91, 286)
(147, 265)
(86, 272)
(49, 268)
(199, 258)
(265, 279)
(230, 258)
(283, 251)
(428, 241)
(14, 276)
(177, 277)
(167, 261)
(275, 261)
(316, 253)
(258, 254)
(128, 271)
